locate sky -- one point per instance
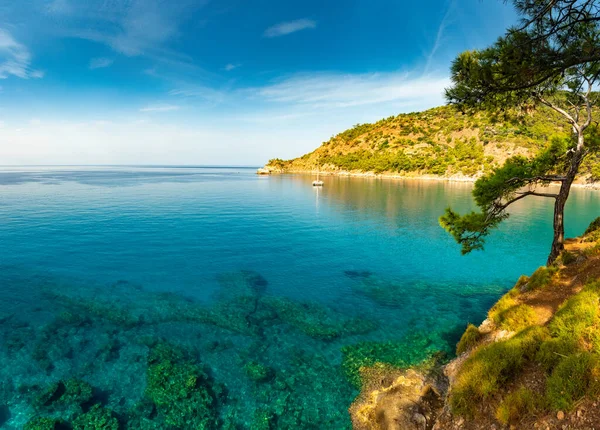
(219, 82)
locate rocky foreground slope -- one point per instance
(534, 363)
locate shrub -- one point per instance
(469, 339)
(568, 258)
(506, 302)
(576, 316)
(521, 283)
(518, 405)
(592, 234)
(490, 367)
(517, 318)
(573, 378)
(541, 278)
(555, 349)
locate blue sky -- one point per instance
(219, 81)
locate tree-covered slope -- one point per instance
(441, 141)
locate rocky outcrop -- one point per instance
(411, 401)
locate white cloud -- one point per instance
(160, 108)
(15, 58)
(289, 27)
(129, 27)
(100, 63)
(229, 67)
(326, 90)
(439, 36)
(204, 93)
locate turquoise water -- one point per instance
(273, 291)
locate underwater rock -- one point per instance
(258, 372)
(70, 392)
(358, 274)
(410, 350)
(180, 390)
(42, 424)
(97, 418)
(263, 419)
(4, 414)
(316, 320)
(242, 283)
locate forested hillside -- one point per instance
(441, 141)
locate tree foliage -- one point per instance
(551, 59)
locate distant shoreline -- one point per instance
(372, 175)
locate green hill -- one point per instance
(441, 142)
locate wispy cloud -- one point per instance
(15, 59)
(439, 36)
(129, 27)
(326, 90)
(203, 93)
(100, 63)
(290, 27)
(58, 7)
(229, 67)
(160, 108)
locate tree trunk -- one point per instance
(558, 243)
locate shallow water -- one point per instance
(248, 275)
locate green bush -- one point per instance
(573, 378)
(541, 278)
(553, 350)
(568, 258)
(468, 340)
(506, 302)
(492, 366)
(594, 225)
(576, 316)
(516, 318)
(518, 405)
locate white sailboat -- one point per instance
(318, 182)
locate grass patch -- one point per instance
(468, 340)
(517, 318)
(593, 227)
(509, 314)
(552, 351)
(577, 317)
(490, 367)
(541, 278)
(518, 405)
(506, 302)
(573, 378)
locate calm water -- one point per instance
(100, 264)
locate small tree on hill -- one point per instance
(552, 59)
